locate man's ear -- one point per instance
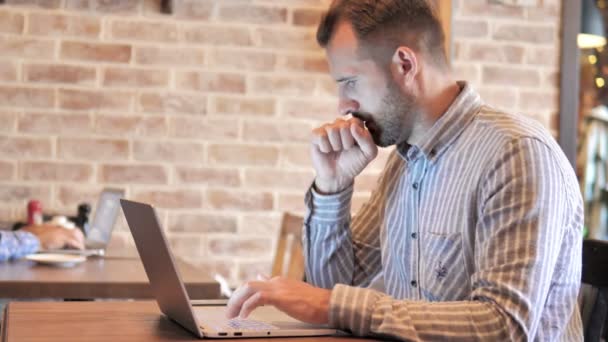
(405, 65)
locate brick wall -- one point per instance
(206, 113)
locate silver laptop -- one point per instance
(205, 321)
(99, 231)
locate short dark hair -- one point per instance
(389, 23)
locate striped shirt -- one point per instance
(474, 234)
(15, 245)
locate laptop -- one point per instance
(206, 319)
(99, 231)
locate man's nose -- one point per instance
(347, 105)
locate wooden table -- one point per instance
(103, 321)
(109, 277)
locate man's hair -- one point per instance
(388, 24)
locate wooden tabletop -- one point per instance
(108, 277)
(103, 321)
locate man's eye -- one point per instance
(349, 84)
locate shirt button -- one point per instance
(414, 235)
(415, 186)
(414, 283)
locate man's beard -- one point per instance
(393, 125)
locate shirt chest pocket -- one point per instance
(442, 269)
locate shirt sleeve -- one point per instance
(337, 250)
(529, 214)
(15, 245)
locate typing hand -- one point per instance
(53, 237)
(295, 298)
(340, 151)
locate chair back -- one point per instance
(289, 257)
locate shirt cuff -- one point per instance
(29, 242)
(351, 308)
(329, 208)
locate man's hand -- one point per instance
(295, 298)
(340, 151)
(53, 237)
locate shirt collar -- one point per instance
(449, 126)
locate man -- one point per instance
(475, 229)
(30, 239)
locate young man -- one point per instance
(30, 239)
(475, 229)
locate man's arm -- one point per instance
(528, 209)
(341, 252)
(14, 245)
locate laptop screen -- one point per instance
(106, 212)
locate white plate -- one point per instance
(59, 260)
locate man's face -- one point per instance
(369, 91)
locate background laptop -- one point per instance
(168, 288)
(99, 230)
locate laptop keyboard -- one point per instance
(245, 325)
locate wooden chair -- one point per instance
(595, 273)
(289, 257)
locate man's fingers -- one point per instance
(333, 134)
(240, 296)
(347, 138)
(321, 141)
(364, 139)
(256, 300)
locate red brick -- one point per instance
(239, 200)
(202, 128)
(217, 35)
(238, 59)
(7, 170)
(510, 76)
(326, 86)
(367, 181)
(525, 33)
(543, 57)
(193, 9)
(26, 97)
(23, 148)
(140, 126)
(20, 47)
(201, 223)
(94, 100)
(132, 174)
(144, 31)
(98, 149)
(47, 4)
(105, 6)
(467, 71)
(207, 176)
(96, 52)
(266, 224)
(278, 179)
(488, 9)
(165, 151)
(211, 82)
(45, 24)
(296, 155)
(172, 103)
(11, 22)
(57, 172)
(538, 101)
(300, 63)
(70, 196)
(240, 247)
(288, 39)
(57, 73)
(20, 194)
(242, 106)
(54, 124)
(467, 28)
(249, 14)
(306, 109)
(171, 199)
(500, 97)
(307, 16)
(9, 121)
(512, 54)
(293, 203)
(172, 56)
(243, 155)
(283, 85)
(8, 71)
(273, 131)
(187, 247)
(137, 78)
